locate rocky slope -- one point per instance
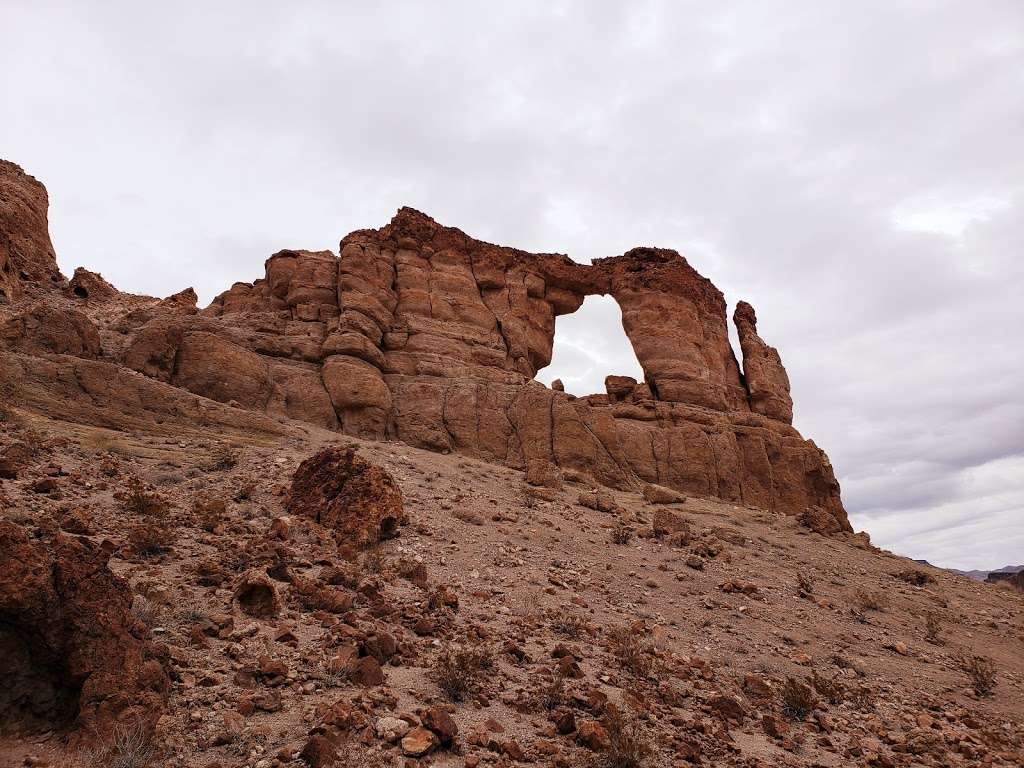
(331, 520)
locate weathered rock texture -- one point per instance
(71, 656)
(358, 500)
(420, 333)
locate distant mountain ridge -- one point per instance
(978, 575)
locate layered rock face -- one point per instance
(420, 333)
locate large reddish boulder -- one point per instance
(71, 655)
(340, 490)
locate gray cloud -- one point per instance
(854, 170)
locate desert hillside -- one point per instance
(331, 520)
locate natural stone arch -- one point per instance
(598, 325)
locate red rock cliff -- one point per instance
(420, 333)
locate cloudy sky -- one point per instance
(854, 170)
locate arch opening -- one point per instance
(591, 344)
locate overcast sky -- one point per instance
(853, 169)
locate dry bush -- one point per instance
(374, 561)
(933, 628)
(804, 584)
(569, 625)
(149, 539)
(622, 533)
(140, 501)
(128, 746)
(223, 457)
(245, 491)
(831, 688)
(633, 653)
(458, 670)
(861, 698)
(528, 606)
(550, 692)
(797, 698)
(145, 610)
(982, 672)
(209, 511)
(870, 600)
(630, 742)
(915, 576)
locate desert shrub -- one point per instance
(869, 600)
(223, 457)
(145, 610)
(208, 511)
(915, 576)
(797, 698)
(374, 561)
(622, 533)
(831, 688)
(550, 692)
(245, 491)
(933, 628)
(630, 743)
(982, 673)
(804, 583)
(128, 746)
(633, 653)
(140, 501)
(148, 539)
(569, 625)
(458, 670)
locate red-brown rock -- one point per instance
(70, 653)
(340, 490)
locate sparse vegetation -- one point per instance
(128, 746)
(146, 611)
(632, 652)
(223, 457)
(140, 501)
(568, 624)
(982, 673)
(933, 628)
(458, 670)
(622, 533)
(630, 743)
(797, 698)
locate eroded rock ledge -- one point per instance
(420, 333)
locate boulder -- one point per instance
(358, 500)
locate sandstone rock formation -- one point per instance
(420, 333)
(71, 656)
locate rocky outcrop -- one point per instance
(420, 333)
(71, 656)
(26, 253)
(766, 379)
